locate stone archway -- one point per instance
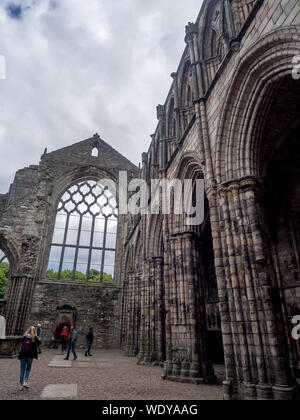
(65, 316)
(280, 156)
(251, 314)
(193, 319)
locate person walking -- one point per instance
(28, 352)
(64, 335)
(89, 339)
(71, 343)
(39, 334)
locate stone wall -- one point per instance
(95, 306)
(27, 217)
(237, 63)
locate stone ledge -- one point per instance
(78, 283)
(10, 347)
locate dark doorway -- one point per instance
(66, 316)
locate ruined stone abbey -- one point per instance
(182, 297)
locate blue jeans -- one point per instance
(89, 346)
(25, 369)
(71, 347)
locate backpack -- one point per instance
(27, 345)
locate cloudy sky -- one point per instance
(77, 67)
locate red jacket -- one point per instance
(65, 335)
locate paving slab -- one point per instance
(60, 364)
(87, 365)
(104, 365)
(58, 357)
(91, 360)
(60, 391)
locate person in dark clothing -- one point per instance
(39, 333)
(28, 352)
(89, 339)
(71, 343)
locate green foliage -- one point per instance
(68, 274)
(4, 272)
(51, 274)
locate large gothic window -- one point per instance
(84, 239)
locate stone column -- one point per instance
(144, 339)
(159, 309)
(19, 300)
(176, 106)
(188, 359)
(192, 40)
(161, 116)
(255, 354)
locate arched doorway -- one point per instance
(65, 317)
(191, 288)
(280, 157)
(256, 174)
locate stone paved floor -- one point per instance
(106, 376)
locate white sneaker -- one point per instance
(26, 385)
(21, 387)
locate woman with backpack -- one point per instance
(28, 352)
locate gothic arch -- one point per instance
(84, 173)
(185, 87)
(154, 227)
(189, 168)
(171, 120)
(66, 181)
(11, 253)
(248, 99)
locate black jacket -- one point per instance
(32, 354)
(90, 336)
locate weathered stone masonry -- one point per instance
(26, 227)
(187, 297)
(232, 118)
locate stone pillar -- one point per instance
(144, 342)
(176, 106)
(256, 357)
(152, 333)
(192, 40)
(162, 158)
(19, 300)
(130, 316)
(187, 355)
(159, 310)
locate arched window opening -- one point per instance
(4, 273)
(174, 128)
(189, 97)
(213, 43)
(84, 240)
(95, 152)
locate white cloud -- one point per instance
(77, 67)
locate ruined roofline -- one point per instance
(93, 140)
